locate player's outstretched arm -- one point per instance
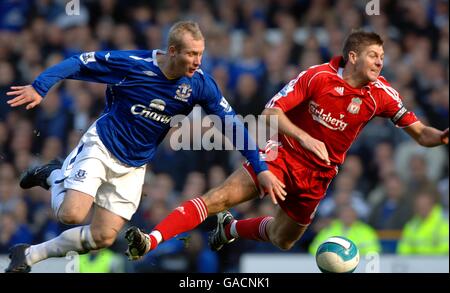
(285, 126)
(427, 136)
(24, 95)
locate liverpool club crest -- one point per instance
(354, 106)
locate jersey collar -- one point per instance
(156, 52)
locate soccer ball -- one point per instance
(337, 255)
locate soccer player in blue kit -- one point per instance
(145, 90)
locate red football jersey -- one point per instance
(321, 103)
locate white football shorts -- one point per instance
(92, 169)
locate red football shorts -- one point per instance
(306, 184)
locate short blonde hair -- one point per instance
(179, 29)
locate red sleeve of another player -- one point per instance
(292, 94)
(391, 105)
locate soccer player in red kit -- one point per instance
(320, 114)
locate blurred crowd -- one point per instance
(390, 196)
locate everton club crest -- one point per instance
(183, 92)
(80, 175)
(354, 106)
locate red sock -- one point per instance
(254, 228)
(186, 217)
(153, 242)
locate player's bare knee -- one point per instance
(283, 244)
(104, 237)
(225, 197)
(217, 200)
(281, 240)
(70, 216)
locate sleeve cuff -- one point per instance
(262, 166)
(39, 89)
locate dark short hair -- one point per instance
(357, 40)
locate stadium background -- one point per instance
(253, 48)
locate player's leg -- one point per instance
(281, 230)
(90, 173)
(116, 202)
(81, 174)
(73, 210)
(238, 187)
(75, 207)
(48, 176)
(70, 206)
(116, 197)
(305, 190)
(105, 227)
(100, 234)
(41, 175)
(83, 180)
(73, 190)
(23, 256)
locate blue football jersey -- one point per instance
(141, 101)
